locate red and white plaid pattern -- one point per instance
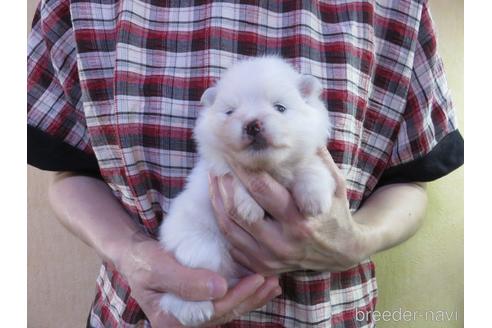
(122, 80)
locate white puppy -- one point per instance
(265, 116)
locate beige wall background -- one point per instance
(424, 274)
(61, 270)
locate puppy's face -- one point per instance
(262, 113)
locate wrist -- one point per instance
(119, 251)
(368, 239)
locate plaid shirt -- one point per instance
(114, 87)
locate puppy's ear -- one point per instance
(208, 97)
(309, 86)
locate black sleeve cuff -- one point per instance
(51, 154)
(444, 158)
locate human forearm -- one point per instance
(391, 215)
(87, 208)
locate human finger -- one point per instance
(233, 232)
(341, 189)
(268, 193)
(267, 291)
(245, 288)
(190, 284)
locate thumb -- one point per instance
(341, 189)
(194, 284)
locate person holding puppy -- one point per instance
(113, 94)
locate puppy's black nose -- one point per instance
(254, 128)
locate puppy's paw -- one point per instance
(246, 207)
(249, 210)
(311, 199)
(189, 313)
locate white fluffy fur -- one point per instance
(250, 89)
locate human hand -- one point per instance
(151, 272)
(288, 241)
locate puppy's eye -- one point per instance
(229, 111)
(281, 108)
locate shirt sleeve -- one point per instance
(428, 145)
(57, 136)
